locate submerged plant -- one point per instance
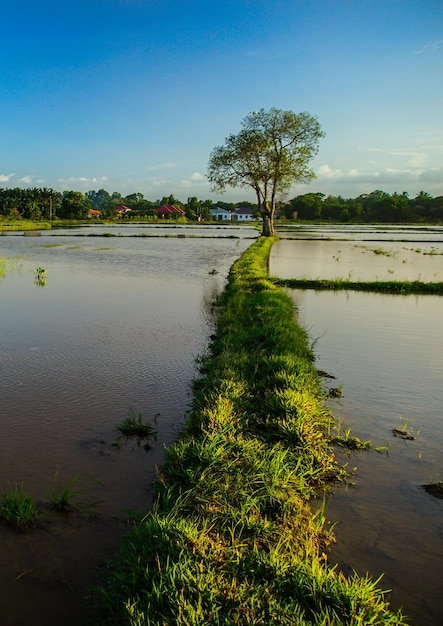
(18, 508)
(40, 272)
(404, 431)
(134, 426)
(39, 277)
(62, 500)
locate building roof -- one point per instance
(169, 208)
(218, 210)
(244, 211)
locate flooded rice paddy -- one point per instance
(386, 354)
(113, 328)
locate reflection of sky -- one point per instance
(117, 325)
(357, 260)
(386, 353)
(363, 232)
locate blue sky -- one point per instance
(132, 95)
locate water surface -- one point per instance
(116, 328)
(386, 353)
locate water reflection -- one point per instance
(386, 351)
(356, 261)
(117, 328)
(362, 232)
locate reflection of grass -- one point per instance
(8, 265)
(435, 489)
(47, 245)
(378, 286)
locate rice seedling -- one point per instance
(40, 272)
(62, 501)
(404, 431)
(135, 426)
(18, 508)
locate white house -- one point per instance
(243, 215)
(221, 215)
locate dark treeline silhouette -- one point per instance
(377, 206)
(41, 203)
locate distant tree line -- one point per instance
(41, 203)
(377, 206)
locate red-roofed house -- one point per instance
(123, 209)
(94, 213)
(169, 209)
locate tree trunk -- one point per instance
(268, 226)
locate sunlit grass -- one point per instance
(399, 287)
(17, 225)
(233, 537)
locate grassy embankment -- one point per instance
(234, 538)
(15, 225)
(388, 286)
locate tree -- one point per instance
(305, 207)
(74, 206)
(197, 209)
(269, 154)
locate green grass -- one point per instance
(135, 426)
(18, 508)
(62, 499)
(15, 225)
(233, 537)
(391, 286)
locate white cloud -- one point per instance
(26, 179)
(325, 171)
(431, 46)
(83, 179)
(159, 166)
(352, 182)
(196, 177)
(5, 178)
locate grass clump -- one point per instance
(233, 537)
(18, 508)
(62, 500)
(135, 426)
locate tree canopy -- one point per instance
(269, 154)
